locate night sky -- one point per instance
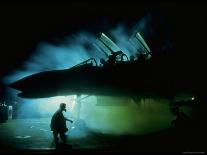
(24, 25)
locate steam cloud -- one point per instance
(128, 119)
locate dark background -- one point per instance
(23, 25)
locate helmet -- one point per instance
(62, 106)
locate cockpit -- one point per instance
(89, 62)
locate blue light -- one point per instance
(73, 50)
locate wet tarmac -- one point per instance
(34, 135)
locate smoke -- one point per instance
(67, 53)
(79, 47)
(45, 107)
(122, 115)
(71, 50)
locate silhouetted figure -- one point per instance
(58, 124)
(182, 121)
(103, 62)
(112, 59)
(131, 58)
(183, 133)
(142, 57)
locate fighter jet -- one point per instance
(116, 76)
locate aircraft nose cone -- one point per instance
(15, 85)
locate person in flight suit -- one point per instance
(58, 124)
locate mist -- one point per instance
(121, 115)
(104, 114)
